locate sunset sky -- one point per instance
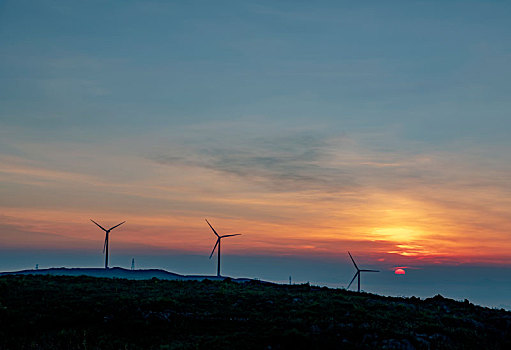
(312, 128)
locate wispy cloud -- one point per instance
(293, 163)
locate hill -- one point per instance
(117, 272)
(68, 312)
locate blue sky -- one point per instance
(311, 127)
(434, 70)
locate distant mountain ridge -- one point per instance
(119, 272)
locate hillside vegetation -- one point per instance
(63, 312)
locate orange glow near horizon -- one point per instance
(166, 210)
(189, 233)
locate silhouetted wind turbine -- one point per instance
(358, 273)
(105, 247)
(218, 241)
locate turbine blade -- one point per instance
(111, 228)
(237, 234)
(212, 228)
(369, 270)
(354, 262)
(349, 285)
(217, 241)
(101, 227)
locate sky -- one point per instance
(311, 128)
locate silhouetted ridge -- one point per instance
(119, 272)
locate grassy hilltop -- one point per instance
(61, 312)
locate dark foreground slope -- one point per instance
(64, 312)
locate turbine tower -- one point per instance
(357, 274)
(105, 246)
(218, 241)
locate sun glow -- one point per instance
(396, 234)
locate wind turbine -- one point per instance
(358, 273)
(218, 241)
(105, 247)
